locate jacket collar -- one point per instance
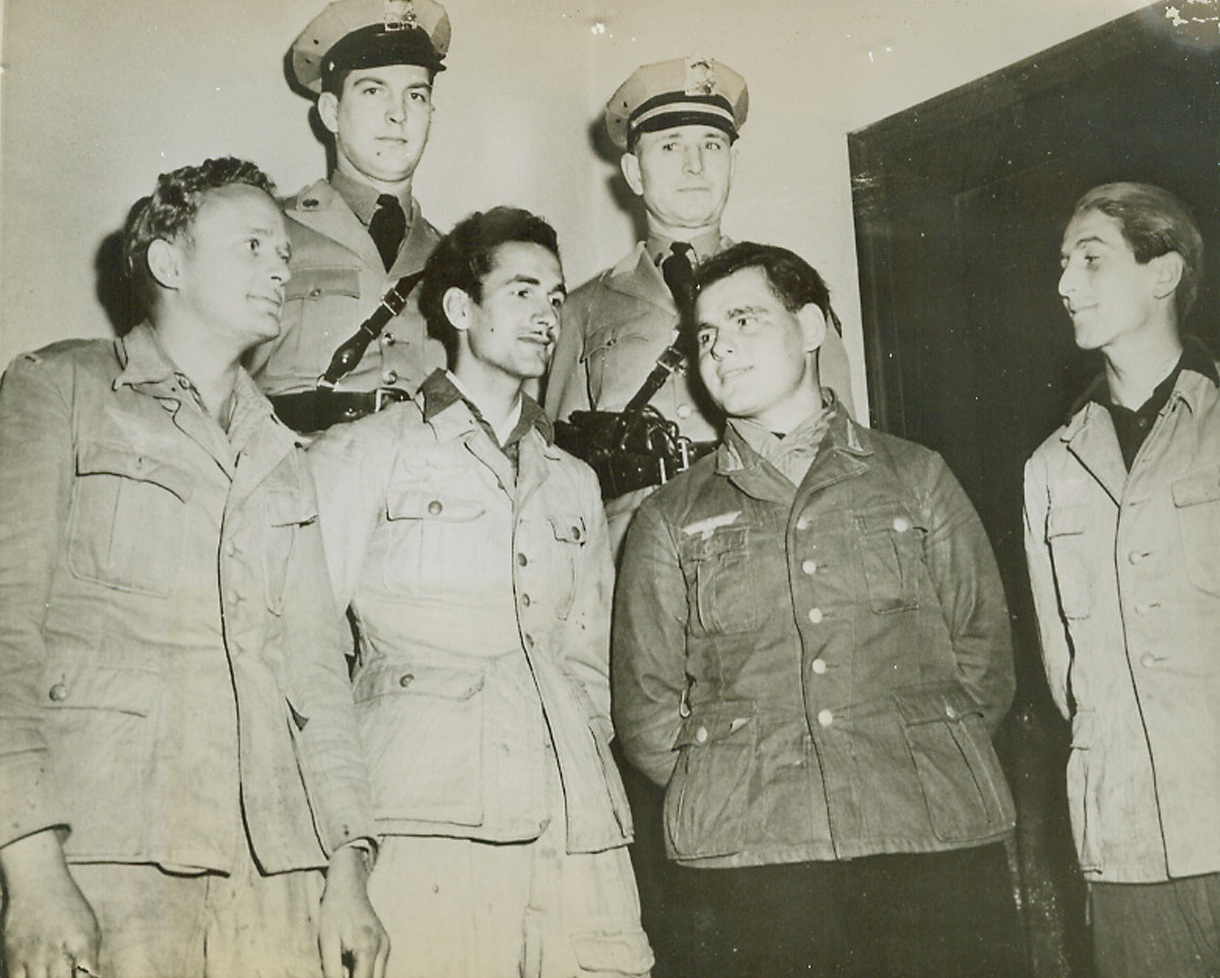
(841, 455)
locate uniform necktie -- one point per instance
(387, 228)
(679, 275)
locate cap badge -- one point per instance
(700, 77)
(399, 15)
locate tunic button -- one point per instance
(802, 524)
(815, 615)
(522, 560)
(809, 567)
(819, 666)
(234, 597)
(1136, 556)
(231, 549)
(701, 735)
(1147, 660)
(435, 507)
(684, 411)
(390, 376)
(950, 712)
(314, 292)
(405, 680)
(901, 524)
(388, 339)
(525, 600)
(58, 693)
(576, 533)
(529, 641)
(826, 718)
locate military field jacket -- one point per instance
(814, 673)
(482, 602)
(338, 279)
(171, 655)
(1125, 571)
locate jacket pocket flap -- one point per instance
(570, 529)
(721, 540)
(312, 283)
(414, 505)
(934, 704)
(392, 678)
(599, 953)
(88, 686)
(886, 520)
(1201, 487)
(1066, 521)
(707, 726)
(613, 333)
(103, 458)
(287, 507)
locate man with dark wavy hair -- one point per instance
(811, 652)
(475, 558)
(178, 747)
(1122, 511)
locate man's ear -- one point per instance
(163, 263)
(1168, 269)
(456, 303)
(328, 111)
(629, 163)
(813, 326)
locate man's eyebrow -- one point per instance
(1079, 242)
(523, 279)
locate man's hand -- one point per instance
(350, 936)
(49, 927)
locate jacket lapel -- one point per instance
(1090, 437)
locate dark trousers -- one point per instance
(927, 915)
(1166, 930)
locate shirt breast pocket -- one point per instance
(437, 542)
(1197, 501)
(320, 308)
(128, 518)
(617, 358)
(891, 553)
(721, 583)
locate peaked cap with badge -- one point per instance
(352, 34)
(679, 92)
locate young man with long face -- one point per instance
(1122, 510)
(371, 64)
(180, 748)
(811, 649)
(475, 558)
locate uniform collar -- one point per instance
(440, 391)
(839, 432)
(362, 198)
(705, 246)
(143, 359)
(1196, 358)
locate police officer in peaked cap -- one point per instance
(352, 339)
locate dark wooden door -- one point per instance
(960, 205)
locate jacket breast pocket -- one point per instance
(422, 730)
(891, 553)
(708, 796)
(128, 518)
(1066, 536)
(569, 535)
(288, 511)
(320, 304)
(1197, 501)
(722, 586)
(959, 774)
(436, 543)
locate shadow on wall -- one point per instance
(115, 289)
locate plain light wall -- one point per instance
(98, 97)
